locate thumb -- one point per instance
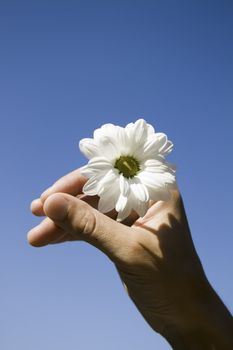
(86, 223)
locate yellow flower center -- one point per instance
(127, 165)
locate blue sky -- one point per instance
(67, 67)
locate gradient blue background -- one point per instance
(67, 67)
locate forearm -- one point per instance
(214, 331)
(191, 317)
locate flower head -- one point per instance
(127, 167)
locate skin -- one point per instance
(154, 256)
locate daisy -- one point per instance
(127, 167)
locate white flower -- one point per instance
(127, 167)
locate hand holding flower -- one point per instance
(154, 256)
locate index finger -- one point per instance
(71, 183)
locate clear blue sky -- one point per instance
(67, 67)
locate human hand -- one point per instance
(154, 255)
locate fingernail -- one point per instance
(56, 207)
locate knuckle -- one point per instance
(83, 220)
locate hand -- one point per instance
(155, 258)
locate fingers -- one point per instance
(71, 183)
(49, 233)
(45, 233)
(37, 207)
(83, 222)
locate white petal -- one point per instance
(154, 162)
(137, 132)
(105, 204)
(139, 189)
(89, 148)
(122, 215)
(166, 148)
(128, 208)
(171, 166)
(150, 129)
(153, 145)
(95, 166)
(129, 126)
(158, 166)
(156, 179)
(160, 194)
(168, 178)
(150, 179)
(91, 186)
(120, 140)
(109, 148)
(124, 185)
(130, 129)
(121, 203)
(85, 171)
(113, 140)
(109, 180)
(157, 184)
(141, 208)
(99, 163)
(105, 130)
(140, 130)
(108, 199)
